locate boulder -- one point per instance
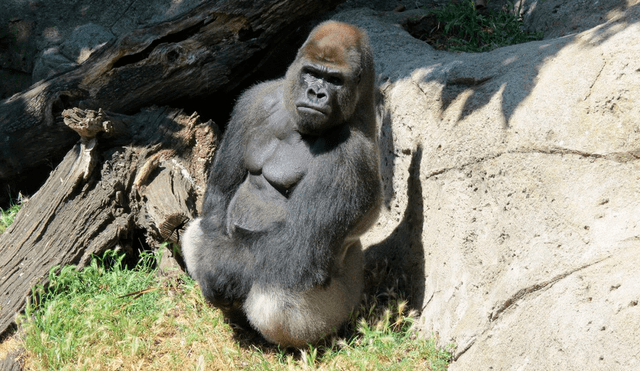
(42, 38)
(556, 18)
(73, 50)
(50, 63)
(512, 193)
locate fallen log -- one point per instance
(129, 177)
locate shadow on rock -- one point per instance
(400, 257)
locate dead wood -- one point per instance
(11, 361)
(214, 47)
(128, 176)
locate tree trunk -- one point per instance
(214, 47)
(128, 174)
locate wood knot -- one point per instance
(169, 227)
(89, 123)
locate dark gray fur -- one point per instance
(291, 190)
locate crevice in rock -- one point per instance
(620, 157)
(119, 17)
(463, 166)
(459, 353)
(172, 38)
(428, 301)
(537, 287)
(604, 64)
(469, 82)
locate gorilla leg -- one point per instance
(192, 242)
(295, 319)
(202, 258)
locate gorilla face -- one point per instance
(318, 97)
(317, 93)
(324, 97)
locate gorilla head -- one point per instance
(332, 70)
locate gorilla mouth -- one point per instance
(307, 109)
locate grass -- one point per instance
(460, 26)
(7, 216)
(109, 316)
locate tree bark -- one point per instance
(10, 362)
(126, 175)
(214, 47)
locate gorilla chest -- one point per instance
(282, 162)
(275, 167)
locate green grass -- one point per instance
(469, 30)
(385, 340)
(108, 316)
(7, 216)
(93, 309)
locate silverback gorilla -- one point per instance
(293, 186)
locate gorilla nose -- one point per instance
(317, 95)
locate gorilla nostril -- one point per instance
(317, 95)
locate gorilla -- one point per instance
(293, 186)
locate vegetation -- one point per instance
(460, 26)
(109, 316)
(7, 216)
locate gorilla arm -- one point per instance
(213, 258)
(228, 170)
(335, 202)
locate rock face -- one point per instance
(556, 18)
(512, 193)
(42, 38)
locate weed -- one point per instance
(460, 26)
(7, 216)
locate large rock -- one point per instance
(52, 35)
(556, 18)
(512, 194)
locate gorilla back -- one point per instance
(293, 186)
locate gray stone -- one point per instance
(51, 63)
(557, 18)
(29, 28)
(83, 41)
(512, 194)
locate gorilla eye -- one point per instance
(335, 80)
(311, 72)
(315, 75)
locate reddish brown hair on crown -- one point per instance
(330, 43)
